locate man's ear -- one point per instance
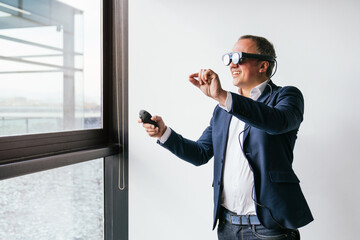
(264, 65)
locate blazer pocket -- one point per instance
(283, 177)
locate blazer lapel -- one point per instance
(246, 132)
(226, 125)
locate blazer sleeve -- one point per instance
(284, 114)
(195, 152)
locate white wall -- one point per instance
(318, 51)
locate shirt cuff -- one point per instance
(165, 136)
(228, 102)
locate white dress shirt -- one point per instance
(238, 179)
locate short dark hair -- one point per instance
(263, 47)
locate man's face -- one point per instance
(245, 73)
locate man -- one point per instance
(251, 136)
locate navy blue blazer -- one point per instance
(271, 124)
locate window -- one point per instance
(50, 66)
(63, 103)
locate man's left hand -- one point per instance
(209, 83)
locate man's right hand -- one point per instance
(153, 131)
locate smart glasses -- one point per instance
(238, 57)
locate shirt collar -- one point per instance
(257, 91)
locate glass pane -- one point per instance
(50, 66)
(63, 203)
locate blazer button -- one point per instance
(219, 183)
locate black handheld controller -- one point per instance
(146, 118)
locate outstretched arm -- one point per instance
(195, 152)
(283, 115)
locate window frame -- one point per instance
(30, 153)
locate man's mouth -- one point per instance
(235, 73)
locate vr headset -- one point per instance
(238, 57)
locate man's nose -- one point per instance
(233, 65)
